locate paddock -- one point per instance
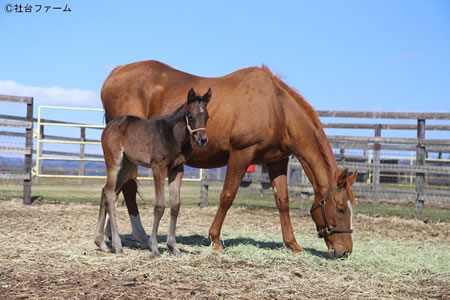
(48, 251)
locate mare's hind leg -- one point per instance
(129, 190)
(237, 165)
(175, 178)
(159, 175)
(277, 174)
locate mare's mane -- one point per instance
(322, 141)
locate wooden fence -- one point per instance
(25, 123)
(370, 163)
(364, 153)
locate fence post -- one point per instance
(81, 166)
(39, 153)
(29, 155)
(204, 188)
(376, 168)
(420, 176)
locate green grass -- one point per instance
(65, 191)
(372, 255)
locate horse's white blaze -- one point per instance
(349, 204)
(201, 110)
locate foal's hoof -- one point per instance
(175, 251)
(156, 254)
(118, 251)
(103, 247)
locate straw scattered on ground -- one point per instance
(47, 251)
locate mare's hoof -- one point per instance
(297, 250)
(146, 244)
(156, 254)
(217, 246)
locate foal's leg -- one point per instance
(175, 178)
(129, 191)
(111, 198)
(237, 165)
(159, 175)
(107, 205)
(99, 239)
(277, 174)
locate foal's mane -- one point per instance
(322, 141)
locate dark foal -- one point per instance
(162, 144)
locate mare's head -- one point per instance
(333, 216)
(196, 115)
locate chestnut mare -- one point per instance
(162, 144)
(255, 119)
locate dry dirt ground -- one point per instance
(47, 251)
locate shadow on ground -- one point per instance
(128, 241)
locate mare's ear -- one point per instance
(352, 178)
(206, 97)
(191, 95)
(342, 178)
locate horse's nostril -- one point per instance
(202, 141)
(345, 254)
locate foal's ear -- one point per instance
(206, 97)
(191, 95)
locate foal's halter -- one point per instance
(325, 230)
(190, 128)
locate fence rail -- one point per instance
(412, 165)
(374, 164)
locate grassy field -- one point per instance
(65, 191)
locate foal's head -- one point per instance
(197, 115)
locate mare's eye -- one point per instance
(191, 118)
(340, 210)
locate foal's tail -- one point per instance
(137, 190)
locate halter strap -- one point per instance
(325, 230)
(190, 128)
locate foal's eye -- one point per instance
(191, 118)
(340, 210)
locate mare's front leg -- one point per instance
(175, 178)
(277, 174)
(236, 168)
(159, 175)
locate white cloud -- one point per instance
(52, 95)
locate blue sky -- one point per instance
(341, 55)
